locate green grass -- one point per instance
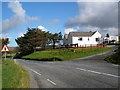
(0, 74)
(13, 75)
(115, 58)
(64, 54)
(8, 55)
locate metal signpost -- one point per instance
(5, 49)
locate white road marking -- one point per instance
(32, 70)
(51, 81)
(50, 62)
(40, 75)
(115, 65)
(35, 72)
(97, 72)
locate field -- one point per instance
(13, 75)
(64, 54)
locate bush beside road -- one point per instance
(115, 57)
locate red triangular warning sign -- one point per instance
(5, 49)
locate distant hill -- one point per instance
(13, 49)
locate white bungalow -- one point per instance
(83, 38)
(111, 39)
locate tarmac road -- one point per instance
(88, 72)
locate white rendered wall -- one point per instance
(85, 41)
(114, 38)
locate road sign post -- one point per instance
(5, 55)
(5, 49)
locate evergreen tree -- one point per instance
(55, 38)
(107, 35)
(32, 39)
(5, 41)
(36, 38)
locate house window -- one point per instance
(88, 39)
(97, 39)
(80, 39)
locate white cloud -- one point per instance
(87, 28)
(81, 29)
(42, 28)
(98, 0)
(99, 15)
(21, 35)
(20, 17)
(51, 22)
(103, 31)
(12, 23)
(111, 31)
(29, 18)
(16, 7)
(66, 31)
(4, 35)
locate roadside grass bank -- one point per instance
(0, 74)
(64, 54)
(8, 55)
(13, 75)
(115, 58)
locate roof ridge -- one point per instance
(81, 33)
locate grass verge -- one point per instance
(64, 54)
(8, 55)
(0, 74)
(13, 75)
(115, 58)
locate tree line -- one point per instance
(36, 38)
(4, 41)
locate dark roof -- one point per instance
(85, 34)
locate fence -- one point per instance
(88, 47)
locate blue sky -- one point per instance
(57, 17)
(45, 12)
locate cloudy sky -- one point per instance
(56, 17)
